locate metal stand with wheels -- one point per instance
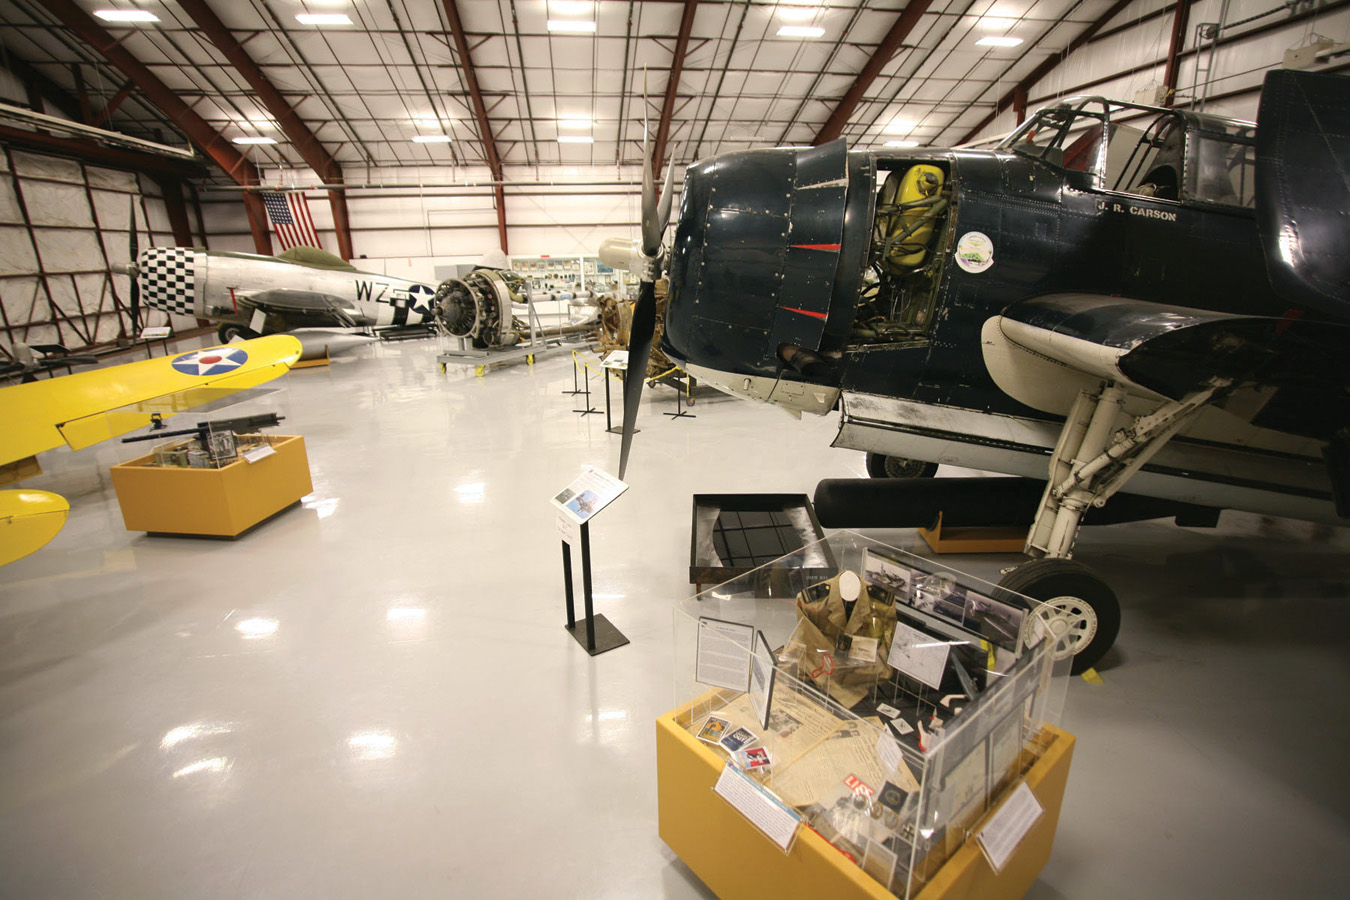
(599, 635)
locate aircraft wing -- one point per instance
(311, 308)
(1171, 351)
(87, 407)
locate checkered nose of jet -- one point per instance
(166, 279)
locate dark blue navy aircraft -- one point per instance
(1115, 295)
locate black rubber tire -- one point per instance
(1073, 587)
(881, 466)
(228, 330)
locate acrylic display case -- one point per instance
(890, 707)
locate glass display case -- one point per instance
(889, 704)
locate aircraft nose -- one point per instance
(166, 279)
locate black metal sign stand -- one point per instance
(575, 389)
(587, 409)
(680, 412)
(599, 635)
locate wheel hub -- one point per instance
(1071, 622)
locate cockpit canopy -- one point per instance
(1143, 150)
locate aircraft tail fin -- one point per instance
(1303, 187)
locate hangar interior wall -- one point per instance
(64, 232)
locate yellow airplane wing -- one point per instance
(87, 407)
(28, 520)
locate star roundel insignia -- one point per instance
(216, 361)
(420, 299)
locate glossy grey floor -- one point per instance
(373, 694)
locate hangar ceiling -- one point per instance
(504, 88)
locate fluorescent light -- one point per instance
(575, 139)
(432, 139)
(574, 123)
(573, 25)
(902, 143)
(802, 31)
(257, 628)
(255, 140)
(323, 18)
(126, 15)
(992, 41)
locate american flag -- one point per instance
(290, 218)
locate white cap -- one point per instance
(494, 259)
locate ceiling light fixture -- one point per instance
(323, 18)
(572, 25)
(255, 140)
(432, 139)
(126, 15)
(992, 41)
(575, 139)
(801, 31)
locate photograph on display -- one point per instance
(1000, 622)
(591, 492)
(889, 573)
(940, 595)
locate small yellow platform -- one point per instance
(974, 539)
(738, 862)
(222, 502)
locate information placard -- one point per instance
(763, 810)
(723, 658)
(591, 492)
(1005, 829)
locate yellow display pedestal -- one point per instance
(222, 502)
(738, 862)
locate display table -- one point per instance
(222, 502)
(738, 862)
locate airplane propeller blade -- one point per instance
(134, 251)
(655, 217)
(639, 351)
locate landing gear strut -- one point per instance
(228, 331)
(1094, 458)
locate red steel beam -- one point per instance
(672, 86)
(479, 110)
(194, 126)
(1046, 67)
(172, 189)
(885, 52)
(1179, 22)
(306, 143)
(117, 100)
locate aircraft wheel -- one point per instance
(880, 466)
(228, 331)
(1081, 611)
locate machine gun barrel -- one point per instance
(241, 425)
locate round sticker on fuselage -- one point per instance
(974, 252)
